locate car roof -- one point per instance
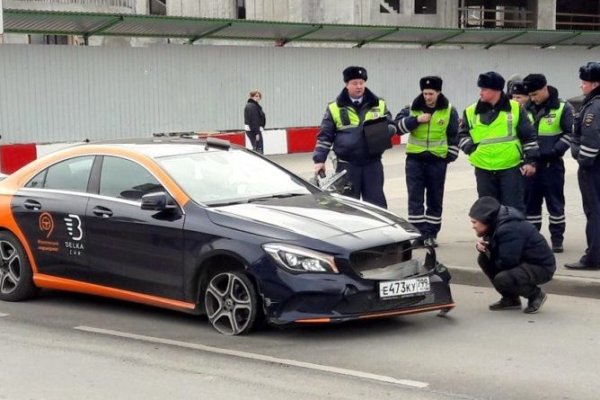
(165, 146)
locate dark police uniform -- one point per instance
(498, 139)
(553, 121)
(342, 129)
(585, 147)
(431, 146)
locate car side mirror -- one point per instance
(158, 201)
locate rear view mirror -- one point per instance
(158, 201)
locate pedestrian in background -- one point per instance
(553, 120)
(433, 143)
(512, 253)
(344, 129)
(254, 121)
(500, 141)
(585, 145)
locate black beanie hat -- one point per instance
(590, 72)
(534, 82)
(431, 82)
(485, 210)
(518, 88)
(491, 80)
(354, 73)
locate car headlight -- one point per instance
(298, 259)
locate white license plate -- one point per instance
(403, 287)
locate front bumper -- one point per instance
(341, 298)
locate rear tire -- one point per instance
(231, 303)
(16, 277)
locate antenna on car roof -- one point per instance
(217, 143)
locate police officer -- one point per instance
(500, 141)
(433, 142)
(553, 120)
(343, 129)
(516, 91)
(585, 145)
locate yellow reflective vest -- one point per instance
(431, 136)
(498, 146)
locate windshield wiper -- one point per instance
(226, 203)
(275, 196)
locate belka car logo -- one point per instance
(74, 226)
(46, 223)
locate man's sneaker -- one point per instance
(535, 303)
(557, 248)
(431, 242)
(506, 303)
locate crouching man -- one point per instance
(513, 254)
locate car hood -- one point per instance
(318, 216)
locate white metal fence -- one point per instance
(66, 93)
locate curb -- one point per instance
(561, 285)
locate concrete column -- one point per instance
(1, 23)
(544, 14)
(447, 11)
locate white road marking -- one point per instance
(259, 357)
(3, 315)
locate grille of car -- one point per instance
(367, 303)
(380, 257)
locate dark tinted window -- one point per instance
(126, 179)
(72, 174)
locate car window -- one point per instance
(72, 174)
(216, 177)
(126, 179)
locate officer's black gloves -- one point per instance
(451, 157)
(574, 150)
(469, 147)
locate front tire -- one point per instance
(16, 277)
(231, 303)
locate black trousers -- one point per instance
(366, 181)
(589, 185)
(425, 179)
(548, 184)
(505, 185)
(523, 280)
(257, 144)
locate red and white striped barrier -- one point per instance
(277, 141)
(284, 141)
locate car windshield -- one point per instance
(228, 177)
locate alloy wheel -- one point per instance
(10, 267)
(231, 303)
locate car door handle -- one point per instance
(102, 212)
(32, 205)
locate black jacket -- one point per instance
(349, 146)
(254, 117)
(552, 147)
(513, 240)
(585, 144)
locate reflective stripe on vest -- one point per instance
(550, 124)
(431, 136)
(346, 117)
(498, 147)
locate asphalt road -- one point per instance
(68, 346)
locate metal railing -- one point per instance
(574, 21)
(499, 17)
(97, 3)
